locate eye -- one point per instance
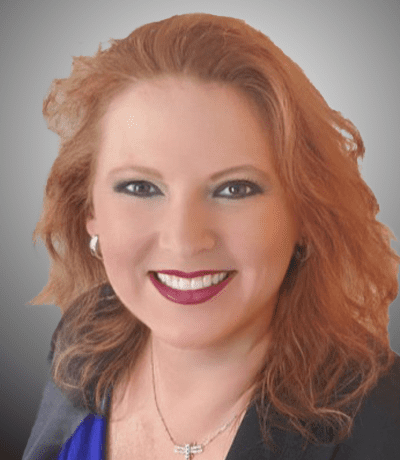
(237, 189)
(137, 188)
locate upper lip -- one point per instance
(192, 274)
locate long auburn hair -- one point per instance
(330, 338)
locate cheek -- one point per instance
(125, 258)
(265, 254)
(265, 236)
(120, 244)
(122, 233)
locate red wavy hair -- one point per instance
(330, 332)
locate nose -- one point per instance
(185, 230)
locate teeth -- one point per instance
(188, 284)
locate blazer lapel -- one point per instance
(249, 445)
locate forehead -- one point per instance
(182, 95)
(182, 117)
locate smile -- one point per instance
(191, 284)
(188, 291)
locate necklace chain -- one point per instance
(188, 449)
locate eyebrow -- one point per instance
(213, 177)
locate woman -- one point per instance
(223, 279)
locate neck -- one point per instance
(213, 383)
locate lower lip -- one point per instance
(189, 297)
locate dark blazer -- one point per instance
(375, 436)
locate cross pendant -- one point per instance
(188, 450)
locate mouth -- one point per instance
(191, 291)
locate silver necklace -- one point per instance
(188, 450)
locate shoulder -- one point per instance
(55, 422)
(384, 399)
(376, 430)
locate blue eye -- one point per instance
(236, 189)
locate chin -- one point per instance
(191, 338)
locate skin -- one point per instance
(189, 131)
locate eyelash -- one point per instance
(122, 188)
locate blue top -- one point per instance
(88, 440)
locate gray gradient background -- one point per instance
(349, 49)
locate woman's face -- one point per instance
(191, 213)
